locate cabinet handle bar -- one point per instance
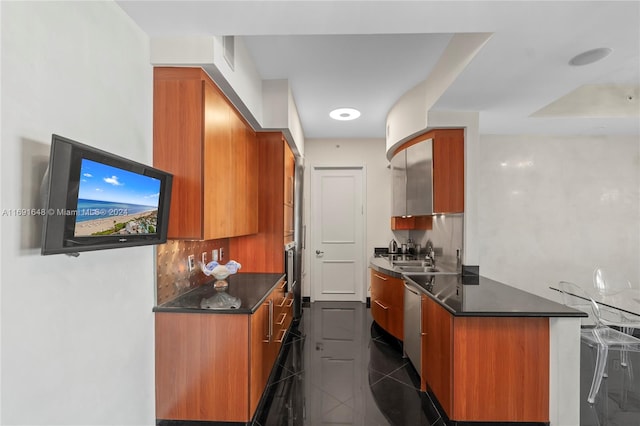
(377, 302)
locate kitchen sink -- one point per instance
(409, 262)
(417, 268)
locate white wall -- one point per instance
(77, 333)
(280, 112)
(244, 77)
(552, 208)
(558, 206)
(353, 152)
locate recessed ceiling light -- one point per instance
(590, 56)
(344, 114)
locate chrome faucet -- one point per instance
(431, 254)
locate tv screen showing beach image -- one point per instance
(113, 201)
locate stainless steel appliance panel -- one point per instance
(420, 178)
(413, 326)
(289, 263)
(299, 236)
(399, 184)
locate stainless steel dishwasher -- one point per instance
(413, 325)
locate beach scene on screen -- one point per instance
(113, 201)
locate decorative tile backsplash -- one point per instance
(173, 275)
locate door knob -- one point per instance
(319, 253)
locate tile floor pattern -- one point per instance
(339, 368)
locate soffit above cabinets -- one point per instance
(523, 68)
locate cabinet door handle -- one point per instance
(289, 303)
(290, 189)
(410, 289)
(281, 319)
(381, 277)
(377, 302)
(270, 320)
(281, 337)
(266, 334)
(282, 285)
(284, 299)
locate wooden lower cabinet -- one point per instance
(387, 303)
(262, 353)
(437, 359)
(486, 369)
(214, 367)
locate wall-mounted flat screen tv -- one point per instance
(97, 200)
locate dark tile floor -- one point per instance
(340, 368)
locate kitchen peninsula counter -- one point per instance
(489, 352)
(251, 288)
(478, 296)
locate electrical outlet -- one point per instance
(221, 253)
(204, 257)
(214, 255)
(191, 262)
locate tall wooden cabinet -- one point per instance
(201, 139)
(264, 251)
(448, 170)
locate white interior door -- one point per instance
(337, 233)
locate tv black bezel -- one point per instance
(61, 200)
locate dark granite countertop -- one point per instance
(479, 296)
(251, 288)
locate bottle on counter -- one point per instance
(411, 247)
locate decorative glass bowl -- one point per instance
(220, 300)
(220, 272)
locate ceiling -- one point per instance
(366, 54)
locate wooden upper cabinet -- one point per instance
(448, 171)
(211, 151)
(289, 179)
(447, 178)
(413, 222)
